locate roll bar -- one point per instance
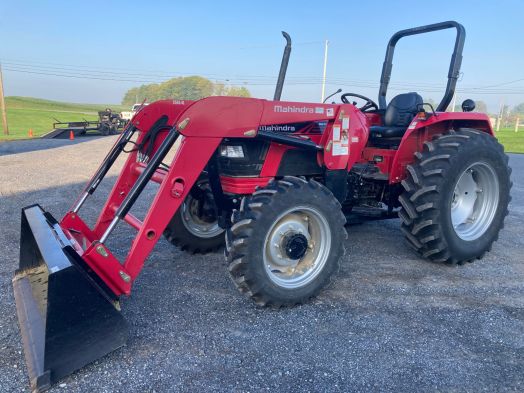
(454, 67)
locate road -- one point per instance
(390, 322)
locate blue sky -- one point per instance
(240, 43)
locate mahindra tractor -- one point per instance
(275, 182)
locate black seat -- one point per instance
(399, 113)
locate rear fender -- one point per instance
(420, 131)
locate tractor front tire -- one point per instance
(286, 242)
(194, 227)
(456, 196)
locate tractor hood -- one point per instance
(241, 117)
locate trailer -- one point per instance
(108, 123)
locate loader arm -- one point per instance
(199, 127)
(68, 282)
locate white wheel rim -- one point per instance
(306, 222)
(475, 201)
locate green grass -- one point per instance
(24, 113)
(513, 141)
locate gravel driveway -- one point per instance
(390, 322)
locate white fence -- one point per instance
(518, 124)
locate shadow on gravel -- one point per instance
(390, 321)
(24, 146)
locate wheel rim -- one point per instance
(475, 201)
(202, 226)
(297, 247)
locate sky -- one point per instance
(94, 51)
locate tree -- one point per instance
(183, 88)
(518, 109)
(432, 102)
(480, 106)
(237, 92)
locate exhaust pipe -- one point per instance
(283, 67)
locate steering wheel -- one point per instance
(368, 105)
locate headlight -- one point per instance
(232, 151)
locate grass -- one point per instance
(513, 141)
(24, 113)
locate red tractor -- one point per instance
(275, 180)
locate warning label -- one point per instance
(340, 142)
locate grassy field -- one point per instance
(513, 141)
(24, 113)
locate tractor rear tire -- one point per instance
(456, 196)
(192, 231)
(103, 128)
(113, 130)
(286, 242)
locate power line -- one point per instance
(258, 83)
(149, 76)
(118, 70)
(504, 83)
(157, 74)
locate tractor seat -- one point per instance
(399, 113)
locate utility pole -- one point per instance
(454, 102)
(501, 110)
(2, 104)
(324, 72)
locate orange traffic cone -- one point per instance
(71, 135)
(30, 133)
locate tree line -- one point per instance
(182, 88)
(197, 87)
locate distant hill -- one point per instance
(13, 102)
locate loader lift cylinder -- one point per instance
(142, 181)
(108, 162)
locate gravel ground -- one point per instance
(390, 322)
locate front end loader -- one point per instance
(273, 181)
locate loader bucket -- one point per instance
(67, 317)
